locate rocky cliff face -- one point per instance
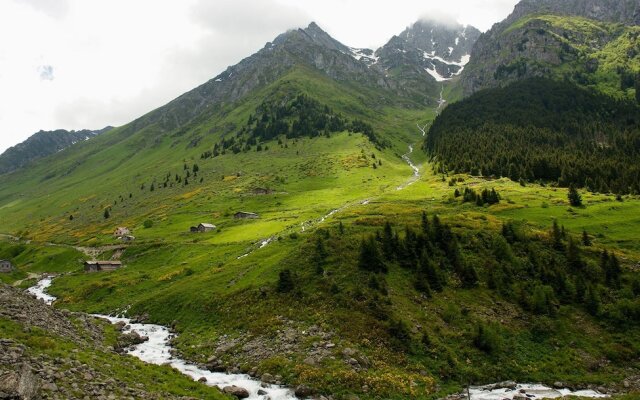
(617, 11)
(577, 40)
(42, 144)
(437, 49)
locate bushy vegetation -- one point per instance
(542, 130)
(540, 274)
(290, 118)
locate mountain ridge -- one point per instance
(42, 144)
(591, 43)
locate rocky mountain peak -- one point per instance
(449, 41)
(312, 34)
(42, 144)
(438, 49)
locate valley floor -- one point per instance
(222, 290)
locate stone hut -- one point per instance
(96, 266)
(261, 191)
(245, 215)
(206, 227)
(6, 266)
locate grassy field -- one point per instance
(217, 299)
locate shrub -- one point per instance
(148, 224)
(486, 339)
(285, 281)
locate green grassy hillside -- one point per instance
(340, 284)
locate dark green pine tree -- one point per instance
(612, 270)
(574, 259)
(371, 257)
(106, 214)
(586, 240)
(320, 256)
(388, 242)
(425, 223)
(285, 281)
(592, 301)
(574, 196)
(432, 272)
(556, 236)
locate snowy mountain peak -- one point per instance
(439, 49)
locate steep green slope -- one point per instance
(117, 170)
(539, 129)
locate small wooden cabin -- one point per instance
(206, 227)
(96, 266)
(245, 215)
(203, 227)
(6, 266)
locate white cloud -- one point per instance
(78, 64)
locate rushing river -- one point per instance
(157, 350)
(531, 391)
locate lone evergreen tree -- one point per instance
(556, 235)
(574, 197)
(285, 281)
(370, 257)
(425, 223)
(586, 240)
(106, 214)
(320, 256)
(592, 300)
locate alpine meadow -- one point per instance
(454, 215)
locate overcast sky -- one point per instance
(77, 64)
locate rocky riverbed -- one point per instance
(28, 371)
(516, 391)
(152, 344)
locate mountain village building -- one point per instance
(6, 266)
(96, 266)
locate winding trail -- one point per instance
(157, 350)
